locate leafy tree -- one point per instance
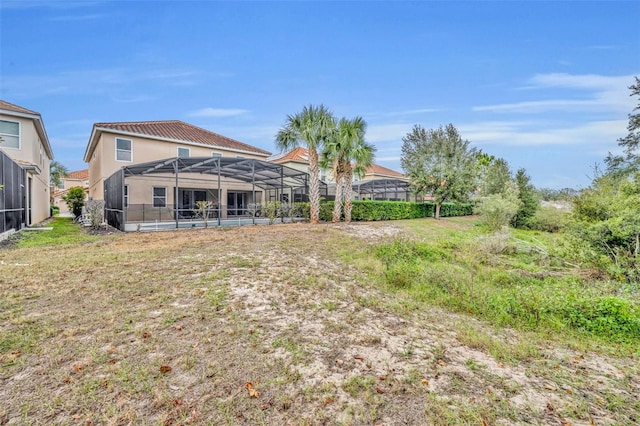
(347, 153)
(529, 201)
(75, 200)
(629, 162)
(311, 127)
(605, 216)
(439, 162)
(498, 175)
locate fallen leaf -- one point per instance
(501, 365)
(165, 369)
(425, 382)
(177, 327)
(339, 361)
(383, 378)
(379, 390)
(104, 383)
(549, 386)
(146, 335)
(77, 367)
(253, 392)
(328, 400)
(565, 423)
(489, 391)
(67, 380)
(358, 357)
(550, 407)
(177, 402)
(264, 407)
(441, 363)
(484, 423)
(112, 361)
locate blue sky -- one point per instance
(542, 84)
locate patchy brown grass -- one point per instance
(264, 325)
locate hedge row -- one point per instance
(392, 210)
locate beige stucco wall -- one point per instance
(29, 152)
(103, 162)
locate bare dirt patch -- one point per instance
(264, 325)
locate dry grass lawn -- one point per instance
(266, 325)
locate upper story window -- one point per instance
(10, 134)
(61, 184)
(184, 152)
(124, 150)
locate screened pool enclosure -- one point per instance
(192, 192)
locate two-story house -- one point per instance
(24, 140)
(154, 193)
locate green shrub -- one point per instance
(496, 211)
(75, 200)
(548, 219)
(391, 210)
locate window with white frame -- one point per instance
(126, 196)
(61, 184)
(10, 134)
(124, 151)
(216, 154)
(184, 152)
(159, 196)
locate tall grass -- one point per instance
(512, 282)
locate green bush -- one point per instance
(548, 219)
(75, 200)
(496, 211)
(391, 210)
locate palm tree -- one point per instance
(350, 154)
(311, 127)
(56, 172)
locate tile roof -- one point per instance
(376, 169)
(78, 174)
(297, 154)
(179, 131)
(15, 108)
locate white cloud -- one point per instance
(218, 112)
(589, 92)
(111, 81)
(596, 133)
(387, 132)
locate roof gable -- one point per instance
(10, 109)
(78, 174)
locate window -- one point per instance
(126, 196)
(159, 196)
(123, 150)
(61, 184)
(240, 156)
(216, 154)
(10, 133)
(184, 152)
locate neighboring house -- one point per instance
(298, 158)
(25, 141)
(77, 178)
(378, 182)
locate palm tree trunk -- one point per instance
(337, 204)
(348, 183)
(314, 187)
